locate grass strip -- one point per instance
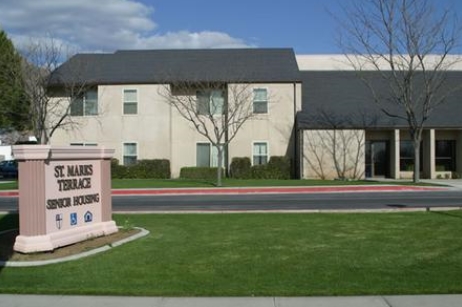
(264, 255)
(183, 183)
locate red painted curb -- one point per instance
(259, 190)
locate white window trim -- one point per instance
(267, 99)
(137, 100)
(123, 153)
(267, 150)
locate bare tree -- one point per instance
(216, 110)
(337, 143)
(50, 96)
(409, 43)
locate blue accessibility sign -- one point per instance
(73, 219)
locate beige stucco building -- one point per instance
(135, 115)
(312, 109)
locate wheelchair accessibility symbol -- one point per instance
(73, 219)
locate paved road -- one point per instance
(323, 201)
(311, 201)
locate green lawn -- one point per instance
(180, 183)
(264, 255)
(183, 183)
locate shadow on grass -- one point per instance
(9, 224)
(448, 214)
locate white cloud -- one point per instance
(100, 25)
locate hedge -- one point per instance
(240, 168)
(203, 173)
(143, 169)
(277, 168)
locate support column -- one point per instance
(459, 152)
(428, 154)
(394, 153)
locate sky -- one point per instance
(308, 26)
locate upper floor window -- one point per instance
(85, 104)
(130, 101)
(210, 102)
(260, 100)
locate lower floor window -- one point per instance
(445, 155)
(207, 155)
(84, 144)
(130, 153)
(406, 156)
(260, 153)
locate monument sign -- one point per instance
(64, 195)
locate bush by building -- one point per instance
(143, 169)
(240, 168)
(202, 173)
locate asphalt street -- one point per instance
(274, 201)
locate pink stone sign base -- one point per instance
(64, 196)
(34, 244)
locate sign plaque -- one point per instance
(64, 196)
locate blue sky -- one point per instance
(108, 25)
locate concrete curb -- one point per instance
(143, 232)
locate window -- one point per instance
(206, 155)
(445, 155)
(84, 144)
(130, 101)
(85, 104)
(260, 153)
(260, 100)
(130, 153)
(210, 102)
(406, 156)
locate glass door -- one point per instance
(377, 159)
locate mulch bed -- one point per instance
(7, 240)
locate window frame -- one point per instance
(452, 157)
(83, 144)
(213, 154)
(82, 98)
(124, 155)
(133, 102)
(254, 101)
(253, 152)
(200, 107)
(409, 159)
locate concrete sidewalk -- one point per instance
(350, 301)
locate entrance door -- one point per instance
(377, 159)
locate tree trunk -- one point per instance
(416, 175)
(220, 163)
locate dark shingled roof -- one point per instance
(341, 99)
(165, 66)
